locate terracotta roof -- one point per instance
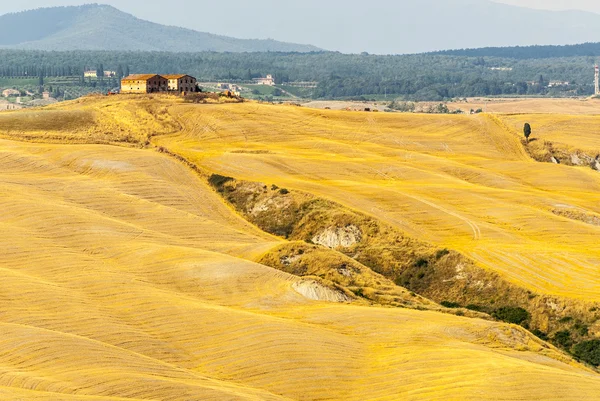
(139, 77)
(177, 76)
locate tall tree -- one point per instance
(542, 81)
(527, 131)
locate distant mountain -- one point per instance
(102, 27)
(406, 26)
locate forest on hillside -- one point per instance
(591, 49)
(433, 77)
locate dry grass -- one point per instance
(124, 275)
(530, 106)
(458, 182)
(570, 133)
(46, 120)
(126, 120)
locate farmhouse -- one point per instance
(181, 83)
(144, 83)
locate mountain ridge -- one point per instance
(407, 27)
(104, 27)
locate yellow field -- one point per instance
(125, 277)
(458, 181)
(529, 106)
(573, 132)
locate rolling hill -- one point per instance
(102, 27)
(128, 274)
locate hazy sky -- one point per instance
(202, 14)
(149, 8)
(306, 21)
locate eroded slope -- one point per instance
(460, 182)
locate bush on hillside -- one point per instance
(217, 180)
(511, 315)
(563, 339)
(421, 262)
(581, 328)
(451, 305)
(441, 253)
(588, 351)
(201, 97)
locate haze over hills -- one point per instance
(405, 27)
(413, 26)
(102, 27)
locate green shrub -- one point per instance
(421, 262)
(588, 351)
(441, 253)
(563, 338)
(448, 304)
(217, 180)
(582, 329)
(540, 334)
(511, 315)
(566, 319)
(284, 191)
(475, 308)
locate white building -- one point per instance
(269, 81)
(94, 74)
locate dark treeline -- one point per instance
(528, 52)
(413, 77)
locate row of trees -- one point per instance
(56, 70)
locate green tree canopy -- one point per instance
(527, 131)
